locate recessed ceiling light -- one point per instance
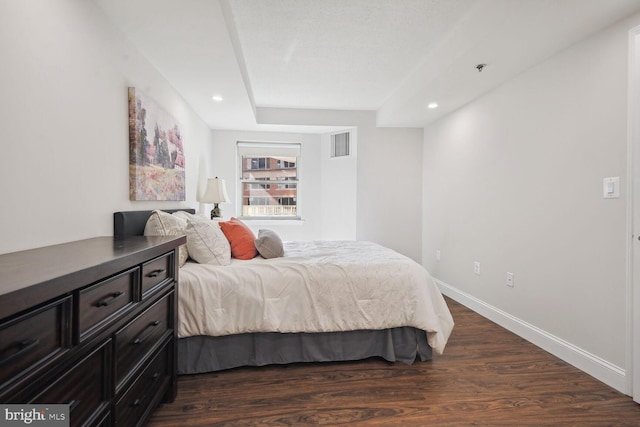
(432, 105)
(217, 98)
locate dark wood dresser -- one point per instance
(91, 324)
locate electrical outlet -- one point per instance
(438, 254)
(476, 268)
(510, 280)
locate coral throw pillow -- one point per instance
(241, 239)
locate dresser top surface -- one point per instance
(43, 273)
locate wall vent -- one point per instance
(340, 145)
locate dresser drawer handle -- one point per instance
(144, 334)
(110, 299)
(139, 400)
(156, 273)
(24, 346)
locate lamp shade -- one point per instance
(216, 191)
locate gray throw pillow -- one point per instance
(269, 244)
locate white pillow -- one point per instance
(189, 216)
(164, 224)
(207, 243)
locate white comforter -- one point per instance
(318, 286)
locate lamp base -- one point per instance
(216, 212)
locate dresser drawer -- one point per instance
(135, 340)
(156, 271)
(99, 302)
(84, 387)
(33, 338)
(147, 387)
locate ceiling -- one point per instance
(389, 56)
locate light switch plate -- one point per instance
(611, 187)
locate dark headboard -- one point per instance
(132, 223)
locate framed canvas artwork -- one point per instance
(156, 151)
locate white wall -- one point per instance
(514, 181)
(224, 164)
(390, 188)
(389, 163)
(63, 115)
(339, 190)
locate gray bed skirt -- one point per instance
(207, 354)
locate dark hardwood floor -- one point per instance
(487, 376)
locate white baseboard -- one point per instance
(595, 366)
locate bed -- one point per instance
(322, 301)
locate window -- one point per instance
(258, 163)
(260, 186)
(283, 164)
(283, 186)
(269, 179)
